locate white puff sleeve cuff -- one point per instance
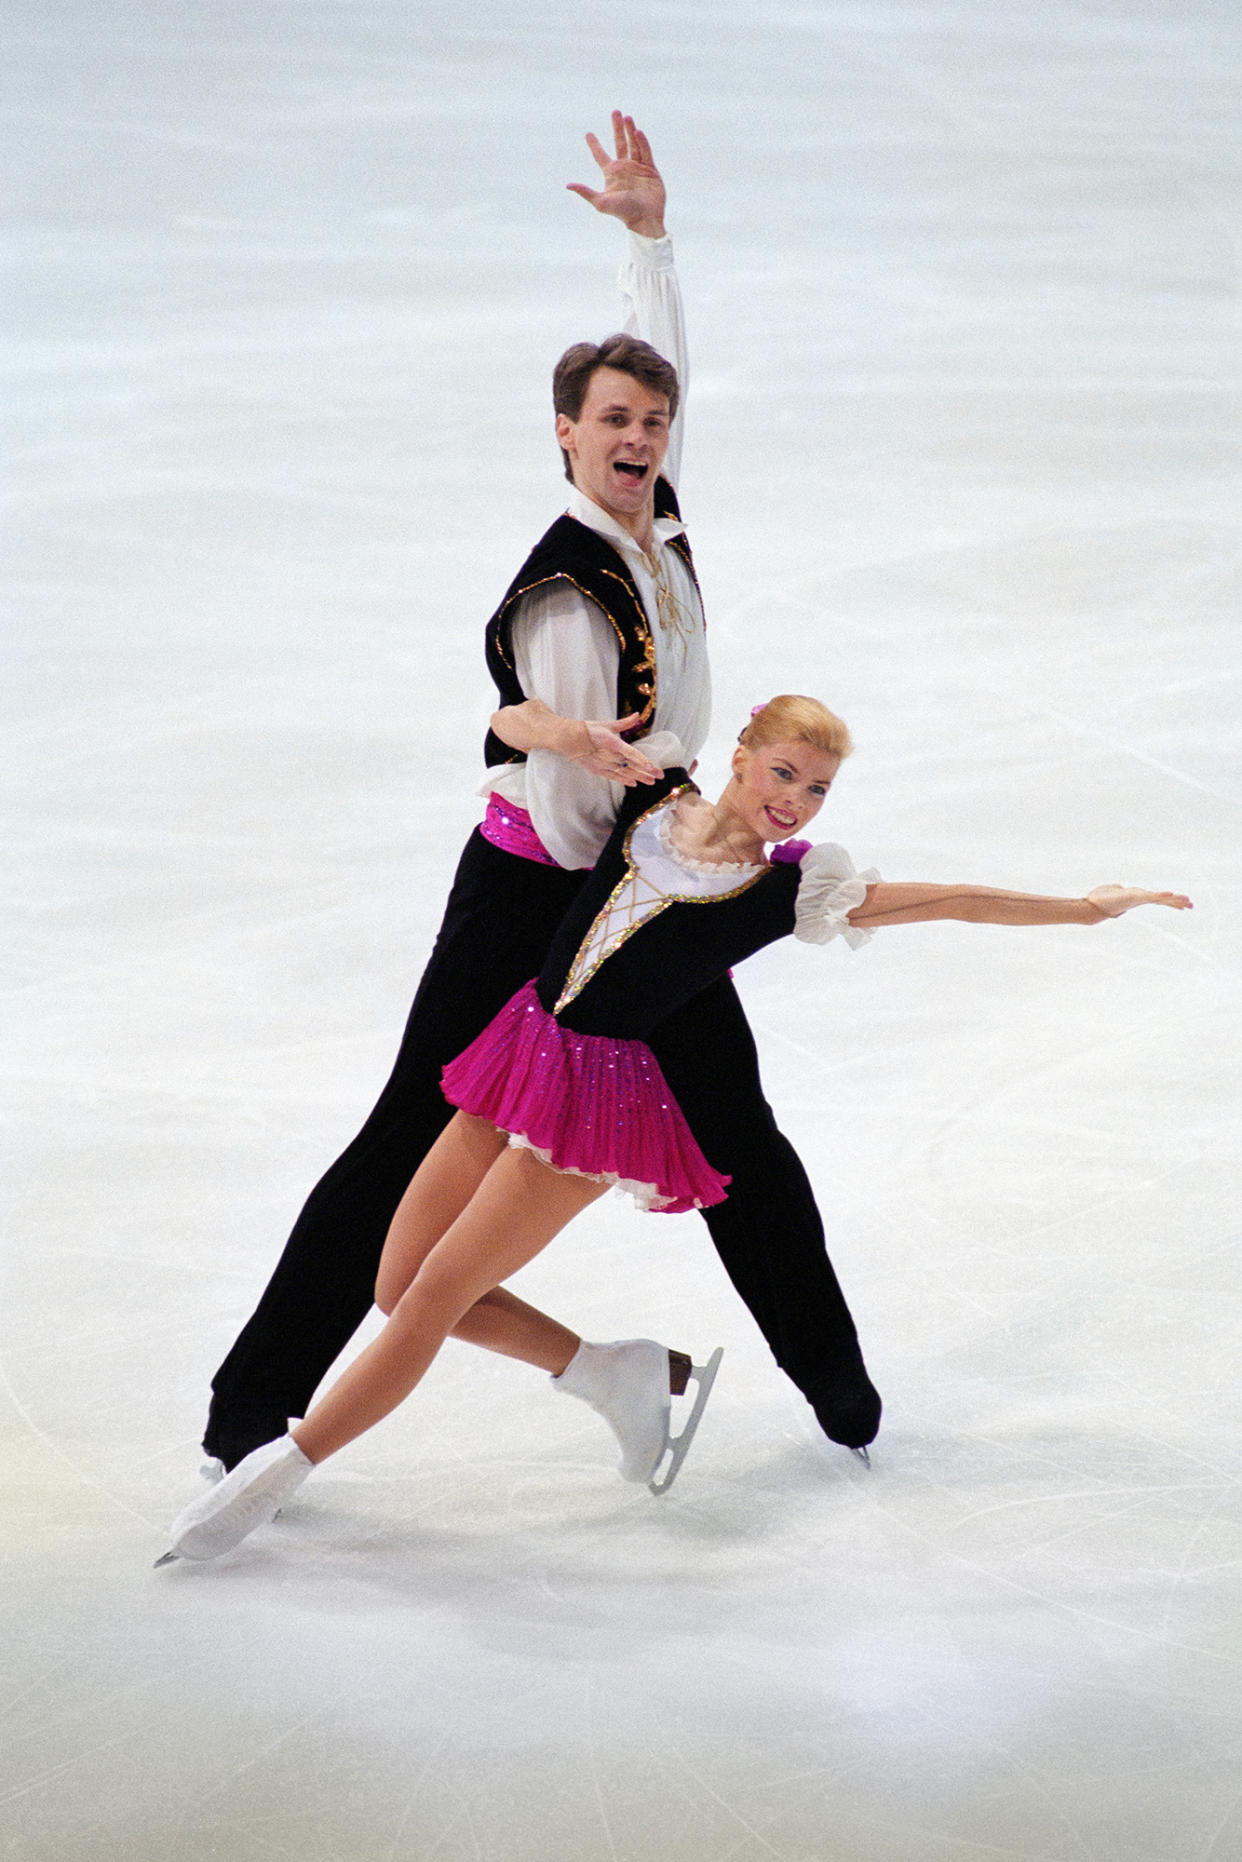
(664, 748)
(829, 889)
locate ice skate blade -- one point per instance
(705, 1376)
(863, 1456)
(169, 1558)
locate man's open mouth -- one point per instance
(629, 469)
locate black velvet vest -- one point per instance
(572, 552)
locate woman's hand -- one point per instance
(1112, 901)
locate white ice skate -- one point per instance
(627, 1384)
(248, 1497)
(212, 1467)
(213, 1472)
(679, 1445)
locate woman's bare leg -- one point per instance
(517, 1208)
(440, 1190)
(503, 1323)
(497, 1207)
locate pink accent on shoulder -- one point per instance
(789, 852)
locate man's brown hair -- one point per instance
(629, 355)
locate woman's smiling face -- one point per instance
(779, 788)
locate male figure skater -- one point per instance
(604, 622)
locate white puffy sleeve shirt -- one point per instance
(565, 651)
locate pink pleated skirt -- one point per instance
(584, 1103)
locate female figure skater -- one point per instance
(561, 1096)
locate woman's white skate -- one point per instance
(627, 1383)
(677, 1447)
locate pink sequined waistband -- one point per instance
(508, 826)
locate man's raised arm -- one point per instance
(634, 193)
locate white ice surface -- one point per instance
(963, 287)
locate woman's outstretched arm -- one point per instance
(915, 903)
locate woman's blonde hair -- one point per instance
(791, 719)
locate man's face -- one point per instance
(617, 444)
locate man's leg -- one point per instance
(768, 1231)
(500, 917)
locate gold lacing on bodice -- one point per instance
(639, 895)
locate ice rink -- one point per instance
(962, 285)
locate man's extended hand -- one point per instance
(606, 753)
(633, 190)
(592, 744)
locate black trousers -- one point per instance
(501, 915)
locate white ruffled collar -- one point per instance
(703, 869)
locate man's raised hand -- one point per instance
(633, 190)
